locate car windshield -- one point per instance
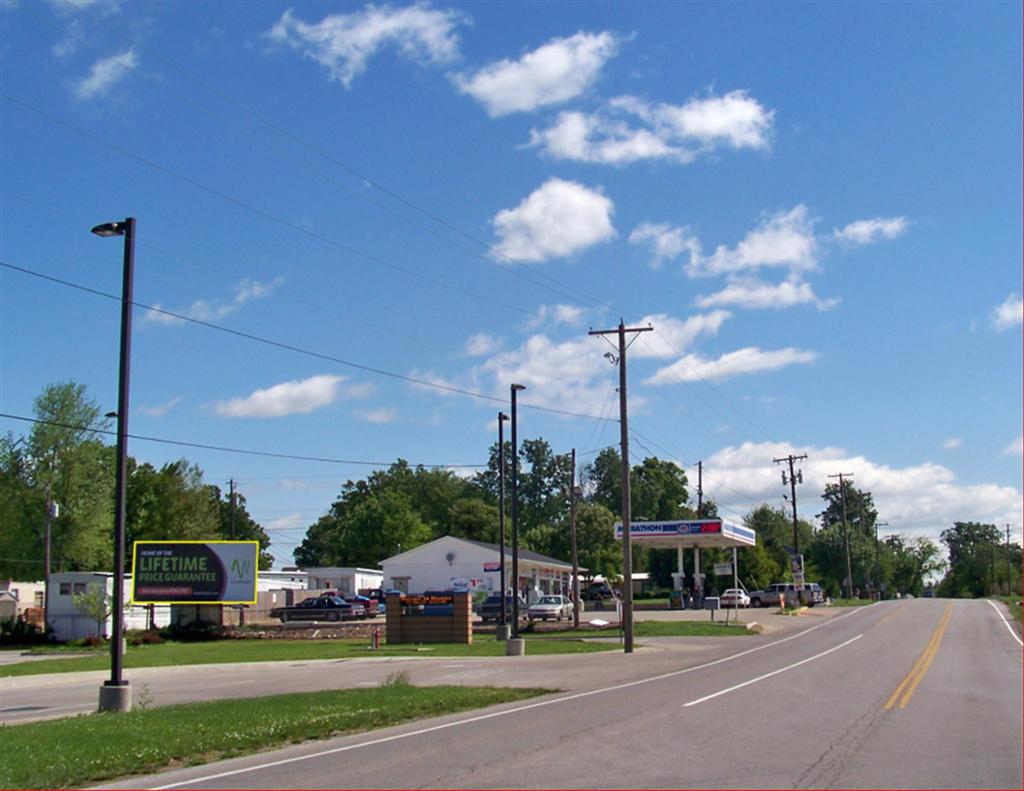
(550, 600)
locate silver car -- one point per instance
(550, 607)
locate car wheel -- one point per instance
(332, 616)
(284, 617)
(755, 602)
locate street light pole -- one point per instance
(515, 518)
(115, 694)
(502, 618)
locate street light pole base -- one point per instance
(115, 697)
(515, 646)
(503, 632)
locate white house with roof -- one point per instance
(347, 579)
(450, 562)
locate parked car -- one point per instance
(380, 595)
(550, 607)
(734, 597)
(490, 610)
(321, 608)
(813, 594)
(772, 595)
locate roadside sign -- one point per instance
(194, 572)
(723, 569)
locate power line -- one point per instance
(296, 349)
(201, 446)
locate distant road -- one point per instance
(904, 694)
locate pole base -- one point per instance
(515, 646)
(503, 632)
(115, 697)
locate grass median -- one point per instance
(91, 748)
(229, 651)
(648, 629)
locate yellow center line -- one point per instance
(913, 678)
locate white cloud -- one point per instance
(742, 361)
(288, 398)
(629, 129)
(784, 239)
(753, 293)
(867, 231)
(104, 74)
(951, 443)
(1009, 314)
(667, 242)
(1015, 448)
(481, 344)
(556, 72)
(672, 336)
(206, 310)
(918, 500)
(160, 409)
(557, 219)
(343, 43)
(556, 314)
(382, 415)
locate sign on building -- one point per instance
(194, 572)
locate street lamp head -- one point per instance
(109, 229)
(518, 387)
(502, 416)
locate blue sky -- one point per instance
(816, 206)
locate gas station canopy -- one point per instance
(682, 534)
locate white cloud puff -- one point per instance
(629, 129)
(556, 72)
(556, 314)
(667, 242)
(105, 74)
(212, 310)
(749, 360)
(558, 219)
(783, 239)
(867, 231)
(1015, 448)
(343, 43)
(1008, 314)
(919, 500)
(951, 443)
(752, 293)
(288, 398)
(481, 344)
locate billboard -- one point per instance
(194, 572)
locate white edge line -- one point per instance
(773, 673)
(491, 715)
(1013, 634)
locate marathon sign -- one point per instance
(194, 572)
(689, 527)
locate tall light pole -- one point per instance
(515, 517)
(115, 694)
(502, 618)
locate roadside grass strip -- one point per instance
(95, 747)
(906, 688)
(231, 651)
(650, 629)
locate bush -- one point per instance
(148, 637)
(195, 632)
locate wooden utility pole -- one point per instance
(627, 551)
(795, 477)
(573, 494)
(846, 531)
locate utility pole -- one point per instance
(573, 494)
(878, 563)
(846, 531)
(795, 477)
(700, 489)
(503, 617)
(1009, 576)
(627, 551)
(51, 511)
(231, 483)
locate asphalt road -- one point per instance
(905, 694)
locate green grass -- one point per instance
(91, 748)
(851, 602)
(228, 651)
(1013, 604)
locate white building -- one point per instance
(16, 597)
(343, 578)
(70, 623)
(285, 579)
(450, 562)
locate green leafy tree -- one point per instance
(973, 548)
(235, 523)
(598, 549)
(96, 604)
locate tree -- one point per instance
(972, 548)
(171, 503)
(235, 523)
(599, 551)
(64, 456)
(829, 551)
(907, 562)
(95, 603)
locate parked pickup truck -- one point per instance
(490, 610)
(772, 595)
